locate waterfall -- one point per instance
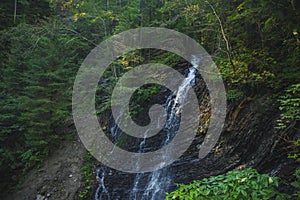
(101, 192)
(152, 186)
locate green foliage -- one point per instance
(242, 72)
(289, 105)
(296, 183)
(23, 11)
(234, 94)
(141, 98)
(247, 184)
(100, 19)
(87, 170)
(38, 67)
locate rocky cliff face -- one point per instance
(248, 139)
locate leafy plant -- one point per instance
(247, 184)
(289, 105)
(87, 170)
(234, 94)
(296, 183)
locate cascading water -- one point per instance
(101, 192)
(152, 186)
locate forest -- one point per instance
(255, 45)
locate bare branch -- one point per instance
(223, 34)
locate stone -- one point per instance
(40, 197)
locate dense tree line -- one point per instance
(256, 45)
(39, 60)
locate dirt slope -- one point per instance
(59, 177)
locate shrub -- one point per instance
(247, 184)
